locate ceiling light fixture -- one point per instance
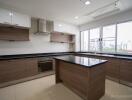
(76, 17)
(60, 25)
(86, 2)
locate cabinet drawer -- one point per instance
(16, 69)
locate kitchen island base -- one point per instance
(88, 83)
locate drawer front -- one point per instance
(11, 70)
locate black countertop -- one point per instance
(109, 55)
(83, 61)
(36, 55)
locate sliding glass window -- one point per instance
(124, 37)
(112, 38)
(109, 38)
(84, 40)
(94, 39)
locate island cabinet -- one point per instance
(11, 70)
(112, 67)
(85, 79)
(126, 72)
(117, 69)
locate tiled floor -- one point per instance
(45, 89)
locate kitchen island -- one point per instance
(84, 76)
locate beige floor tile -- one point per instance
(57, 92)
(115, 91)
(46, 89)
(7, 93)
(30, 90)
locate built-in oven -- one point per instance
(45, 64)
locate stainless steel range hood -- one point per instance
(44, 26)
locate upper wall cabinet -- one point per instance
(5, 16)
(13, 18)
(21, 20)
(65, 28)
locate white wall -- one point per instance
(37, 44)
(117, 18)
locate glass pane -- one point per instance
(94, 39)
(124, 37)
(82, 36)
(108, 39)
(84, 41)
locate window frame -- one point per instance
(83, 41)
(115, 38)
(101, 37)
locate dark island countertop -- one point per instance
(119, 56)
(83, 61)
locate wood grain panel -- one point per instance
(14, 33)
(16, 69)
(88, 83)
(126, 71)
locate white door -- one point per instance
(5, 16)
(21, 20)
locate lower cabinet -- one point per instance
(113, 69)
(119, 70)
(16, 69)
(126, 72)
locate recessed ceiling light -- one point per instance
(76, 17)
(60, 25)
(87, 3)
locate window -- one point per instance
(108, 38)
(124, 37)
(84, 40)
(114, 38)
(94, 39)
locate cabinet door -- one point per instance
(5, 16)
(113, 69)
(21, 20)
(126, 72)
(11, 70)
(64, 27)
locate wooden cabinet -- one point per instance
(14, 34)
(15, 19)
(88, 83)
(62, 38)
(112, 69)
(21, 20)
(126, 72)
(119, 70)
(11, 70)
(5, 16)
(14, 26)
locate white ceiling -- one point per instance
(62, 10)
